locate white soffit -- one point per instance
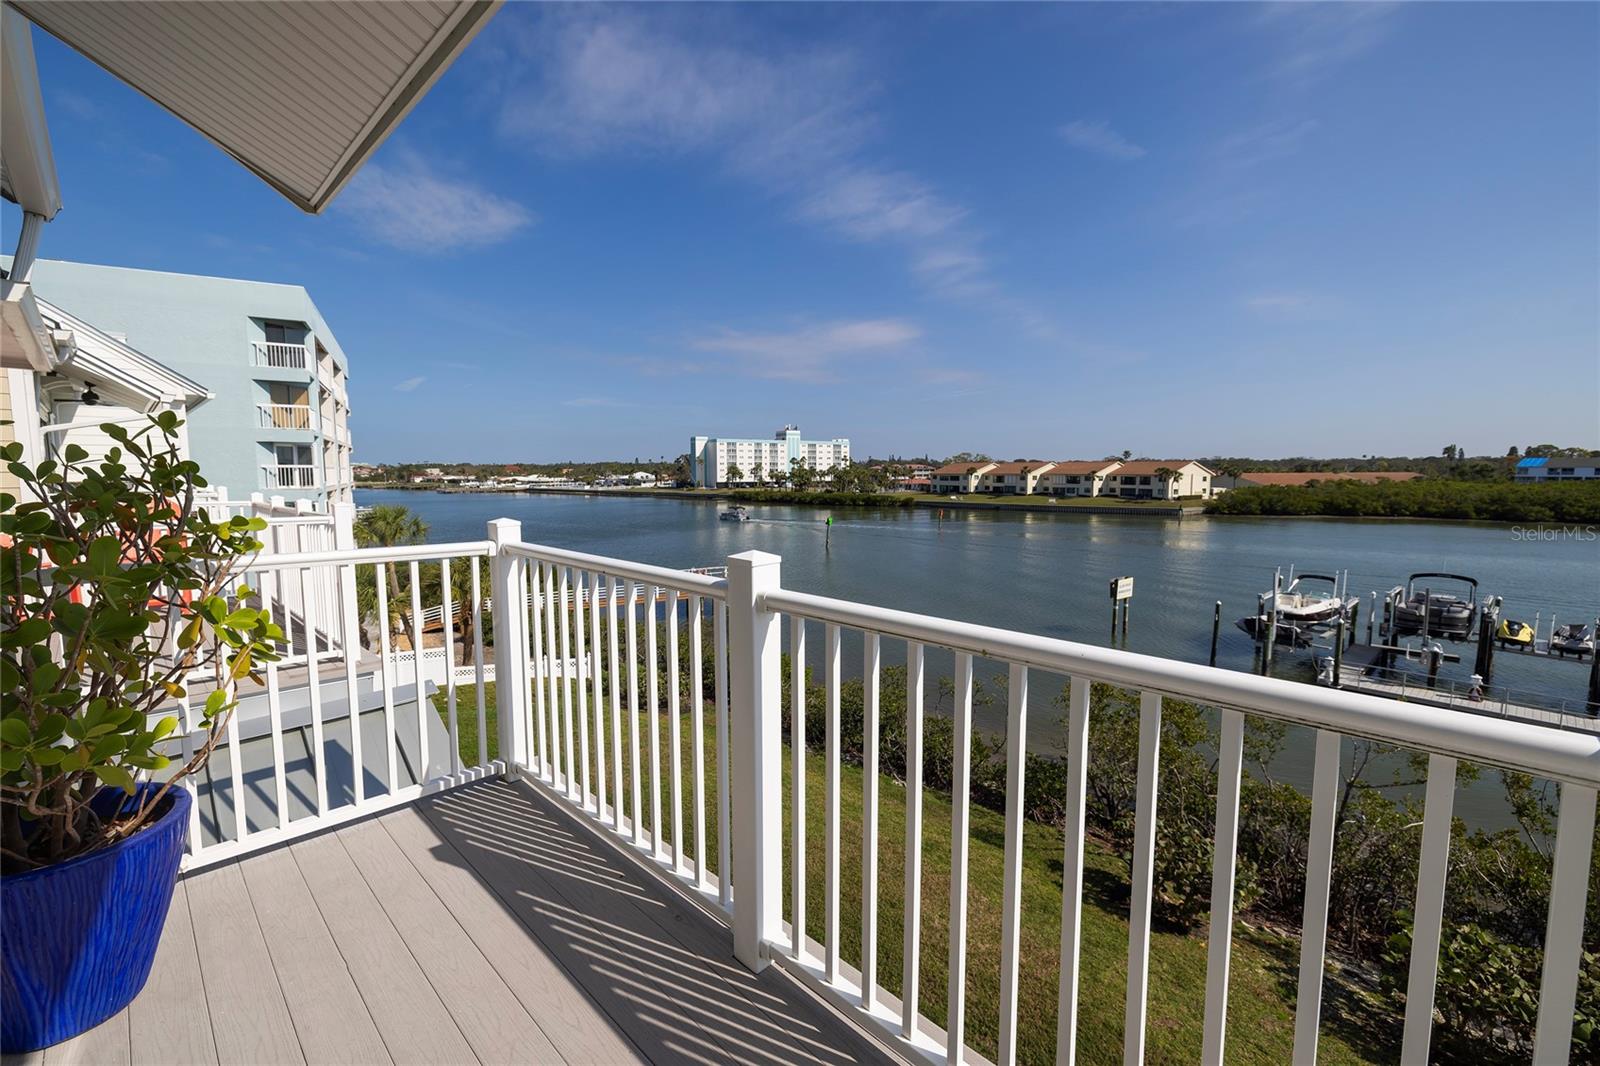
(301, 93)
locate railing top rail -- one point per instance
(1536, 749)
(290, 518)
(681, 580)
(406, 554)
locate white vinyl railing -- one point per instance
(587, 629)
(303, 738)
(747, 612)
(279, 355)
(298, 476)
(580, 663)
(287, 416)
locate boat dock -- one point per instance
(1362, 669)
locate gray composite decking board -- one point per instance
(629, 937)
(811, 1031)
(486, 923)
(575, 1024)
(106, 1044)
(493, 1020)
(328, 1012)
(413, 1022)
(644, 1002)
(168, 1022)
(781, 1022)
(249, 1017)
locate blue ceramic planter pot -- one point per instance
(80, 936)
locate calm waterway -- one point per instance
(1048, 574)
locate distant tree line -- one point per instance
(1452, 463)
(1492, 501)
(665, 470)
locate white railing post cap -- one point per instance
(505, 530)
(755, 559)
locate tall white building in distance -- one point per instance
(711, 458)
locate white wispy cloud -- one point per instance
(1100, 139)
(1296, 306)
(597, 401)
(1311, 40)
(796, 121)
(407, 204)
(1234, 181)
(73, 103)
(1265, 142)
(409, 384)
(809, 353)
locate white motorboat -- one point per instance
(1303, 605)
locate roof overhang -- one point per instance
(302, 94)
(25, 339)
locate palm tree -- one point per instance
(1166, 475)
(734, 473)
(388, 526)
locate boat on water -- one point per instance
(735, 514)
(1288, 634)
(1514, 634)
(1301, 604)
(1420, 607)
(1575, 639)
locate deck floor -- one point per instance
(484, 924)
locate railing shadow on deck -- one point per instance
(663, 972)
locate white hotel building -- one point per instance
(711, 457)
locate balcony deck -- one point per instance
(485, 924)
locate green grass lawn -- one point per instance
(1355, 1028)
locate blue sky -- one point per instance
(1044, 231)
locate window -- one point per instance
(284, 333)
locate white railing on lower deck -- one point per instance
(746, 613)
(290, 476)
(326, 774)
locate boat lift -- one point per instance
(1386, 641)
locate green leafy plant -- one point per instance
(115, 595)
(1488, 995)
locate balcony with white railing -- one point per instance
(287, 416)
(602, 858)
(280, 356)
(289, 476)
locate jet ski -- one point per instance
(1513, 634)
(1573, 639)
